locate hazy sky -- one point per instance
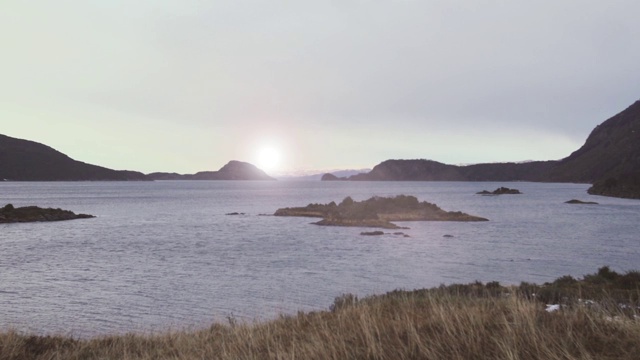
(189, 85)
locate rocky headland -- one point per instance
(623, 186)
(11, 214)
(376, 212)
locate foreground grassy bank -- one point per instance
(474, 321)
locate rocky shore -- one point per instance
(11, 214)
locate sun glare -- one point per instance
(269, 159)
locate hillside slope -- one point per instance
(24, 160)
(612, 149)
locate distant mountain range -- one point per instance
(24, 160)
(610, 158)
(233, 170)
(429, 170)
(318, 176)
(612, 150)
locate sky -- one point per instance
(303, 86)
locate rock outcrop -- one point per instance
(372, 233)
(10, 214)
(580, 202)
(500, 191)
(376, 212)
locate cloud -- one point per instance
(555, 69)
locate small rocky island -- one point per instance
(499, 191)
(10, 214)
(376, 212)
(580, 202)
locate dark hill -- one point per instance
(233, 170)
(429, 170)
(612, 149)
(165, 176)
(411, 170)
(24, 160)
(331, 177)
(525, 171)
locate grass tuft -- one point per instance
(473, 321)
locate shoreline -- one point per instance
(468, 317)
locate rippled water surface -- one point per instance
(163, 255)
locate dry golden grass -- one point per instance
(481, 322)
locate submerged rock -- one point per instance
(378, 232)
(372, 233)
(375, 223)
(376, 212)
(10, 214)
(401, 234)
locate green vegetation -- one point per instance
(472, 321)
(376, 212)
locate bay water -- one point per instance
(165, 255)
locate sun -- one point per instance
(269, 159)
